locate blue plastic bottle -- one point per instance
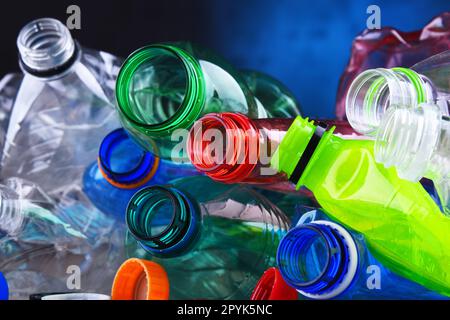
(122, 169)
(4, 292)
(323, 260)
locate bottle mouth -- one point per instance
(319, 259)
(376, 90)
(406, 140)
(272, 286)
(123, 163)
(225, 146)
(45, 47)
(163, 220)
(160, 88)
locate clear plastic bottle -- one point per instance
(362, 194)
(323, 260)
(62, 109)
(388, 48)
(41, 240)
(376, 90)
(164, 88)
(214, 240)
(122, 169)
(417, 143)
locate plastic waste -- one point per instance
(122, 169)
(363, 195)
(163, 88)
(40, 240)
(232, 148)
(224, 237)
(388, 48)
(417, 143)
(4, 290)
(375, 91)
(62, 108)
(140, 279)
(272, 286)
(323, 260)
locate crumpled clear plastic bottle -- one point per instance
(62, 108)
(388, 48)
(40, 241)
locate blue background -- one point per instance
(305, 44)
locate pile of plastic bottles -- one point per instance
(171, 175)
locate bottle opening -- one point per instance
(317, 260)
(123, 163)
(159, 89)
(374, 91)
(45, 44)
(161, 219)
(406, 139)
(224, 146)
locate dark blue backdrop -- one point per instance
(306, 44)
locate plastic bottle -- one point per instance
(323, 260)
(4, 290)
(388, 48)
(62, 109)
(376, 90)
(41, 240)
(213, 240)
(271, 95)
(417, 143)
(165, 87)
(272, 286)
(242, 148)
(122, 169)
(363, 195)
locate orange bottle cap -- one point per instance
(139, 279)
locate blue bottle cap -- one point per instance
(4, 291)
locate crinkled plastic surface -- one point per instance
(56, 124)
(390, 48)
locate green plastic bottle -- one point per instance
(403, 226)
(214, 240)
(163, 88)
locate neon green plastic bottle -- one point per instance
(403, 226)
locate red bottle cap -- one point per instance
(272, 286)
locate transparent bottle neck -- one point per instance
(11, 217)
(375, 91)
(45, 47)
(417, 142)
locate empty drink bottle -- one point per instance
(122, 169)
(376, 90)
(43, 242)
(403, 227)
(231, 148)
(163, 88)
(417, 143)
(388, 48)
(62, 108)
(323, 260)
(213, 240)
